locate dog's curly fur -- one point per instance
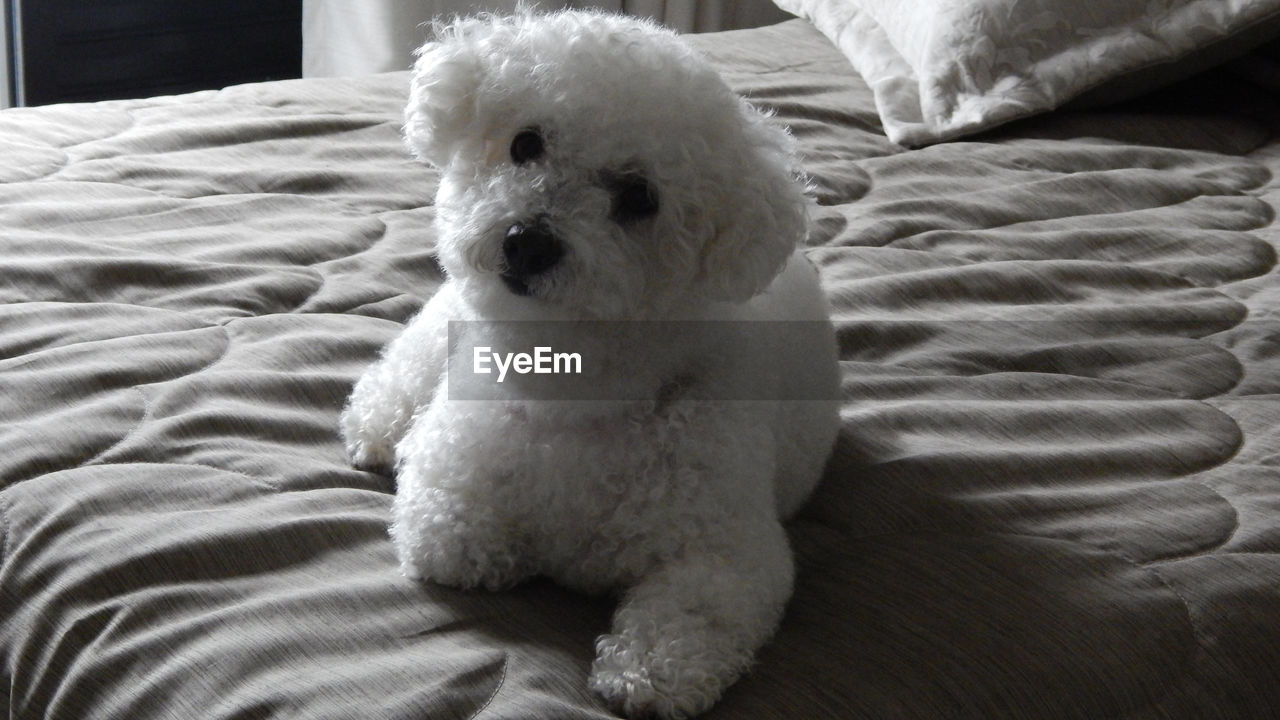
(663, 196)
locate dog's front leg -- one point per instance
(690, 627)
(455, 515)
(399, 384)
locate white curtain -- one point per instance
(703, 15)
(359, 37)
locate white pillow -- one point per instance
(941, 69)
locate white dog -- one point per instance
(598, 176)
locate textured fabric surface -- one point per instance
(943, 69)
(1056, 493)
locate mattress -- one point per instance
(1056, 491)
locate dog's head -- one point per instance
(597, 165)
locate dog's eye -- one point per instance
(527, 146)
(634, 199)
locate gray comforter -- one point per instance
(1056, 493)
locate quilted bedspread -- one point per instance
(1056, 493)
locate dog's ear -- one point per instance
(762, 215)
(443, 92)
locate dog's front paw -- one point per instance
(640, 682)
(688, 629)
(374, 455)
(366, 449)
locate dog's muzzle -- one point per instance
(529, 249)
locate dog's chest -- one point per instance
(580, 493)
(587, 464)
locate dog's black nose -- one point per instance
(530, 250)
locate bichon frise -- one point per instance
(605, 194)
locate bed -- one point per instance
(1056, 492)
